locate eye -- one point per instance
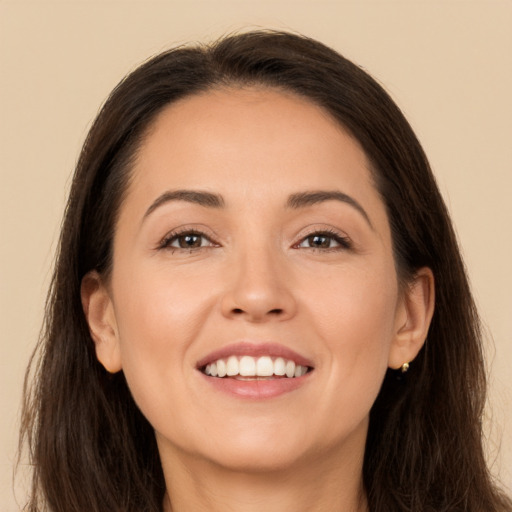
(186, 240)
(325, 241)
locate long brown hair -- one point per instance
(91, 448)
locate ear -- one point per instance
(99, 312)
(413, 318)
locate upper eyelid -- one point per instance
(344, 240)
(212, 238)
(173, 234)
(324, 229)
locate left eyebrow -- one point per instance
(206, 199)
(304, 199)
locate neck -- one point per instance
(312, 486)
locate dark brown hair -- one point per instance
(91, 448)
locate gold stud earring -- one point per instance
(404, 367)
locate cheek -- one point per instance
(362, 316)
(354, 297)
(158, 319)
(156, 308)
(357, 325)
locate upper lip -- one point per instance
(246, 348)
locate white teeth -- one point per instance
(290, 369)
(221, 368)
(300, 370)
(279, 366)
(232, 366)
(248, 366)
(264, 367)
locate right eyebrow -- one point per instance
(308, 198)
(206, 199)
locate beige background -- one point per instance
(447, 63)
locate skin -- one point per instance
(258, 277)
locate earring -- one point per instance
(404, 367)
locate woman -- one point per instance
(253, 254)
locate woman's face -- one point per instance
(251, 235)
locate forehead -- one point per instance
(259, 134)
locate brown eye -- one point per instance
(325, 241)
(319, 241)
(190, 241)
(186, 240)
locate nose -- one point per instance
(259, 289)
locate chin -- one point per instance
(278, 448)
(256, 459)
(248, 449)
(260, 449)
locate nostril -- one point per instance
(276, 311)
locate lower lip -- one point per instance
(256, 389)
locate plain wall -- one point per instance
(448, 64)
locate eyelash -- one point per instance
(176, 235)
(344, 243)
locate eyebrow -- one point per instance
(305, 199)
(206, 199)
(295, 201)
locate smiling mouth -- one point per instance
(255, 368)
